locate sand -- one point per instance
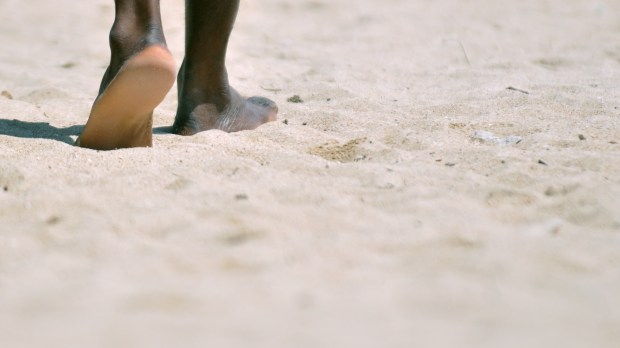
(451, 179)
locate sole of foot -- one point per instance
(122, 116)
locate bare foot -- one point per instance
(121, 116)
(206, 100)
(140, 73)
(236, 114)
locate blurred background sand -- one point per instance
(451, 179)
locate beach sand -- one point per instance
(451, 179)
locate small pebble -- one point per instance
(241, 197)
(6, 94)
(53, 220)
(542, 162)
(582, 137)
(285, 121)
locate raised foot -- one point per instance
(240, 114)
(122, 115)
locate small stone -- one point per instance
(6, 189)
(295, 99)
(53, 220)
(450, 164)
(6, 94)
(285, 121)
(304, 124)
(581, 137)
(241, 197)
(542, 162)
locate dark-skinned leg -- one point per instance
(140, 73)
(137, 24)
(206, 100)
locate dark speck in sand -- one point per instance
(53, 220)
(242, 197)
(295, 99)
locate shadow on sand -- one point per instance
(162, 130)
(38, 130)
(43, 130)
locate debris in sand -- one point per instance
(488, 137)
(6, 94)
(241, 197)
(295, 99)
(53, 220)
(510, 88)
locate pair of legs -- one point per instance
(142, 71)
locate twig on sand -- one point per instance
(510, 88)
(462, 49)
(464, 52)
(271, 89)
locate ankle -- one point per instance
(203, 84)
(128, 37)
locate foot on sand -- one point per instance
(121, 116)
(232, 113)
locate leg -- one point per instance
(140, 74)
(206, 101)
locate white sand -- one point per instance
(374, 218)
